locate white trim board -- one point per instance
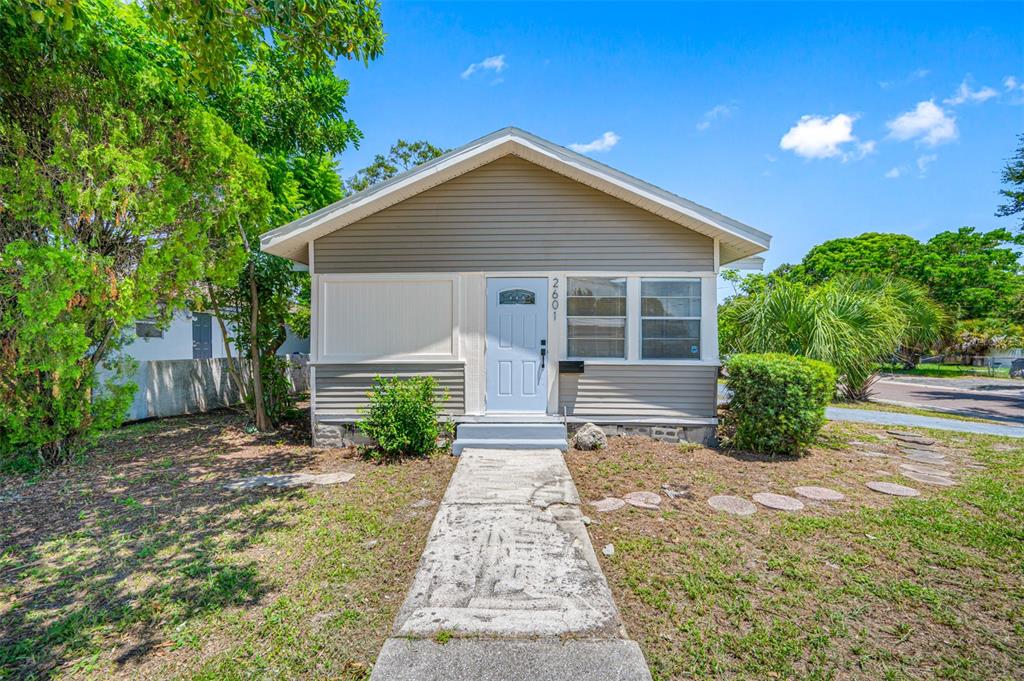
(735, 239)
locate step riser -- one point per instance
(510, 436)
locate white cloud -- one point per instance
(916, 74)
(821, 137)
(1015, 88)
(893, 173)
(863, 149)
(602, 143)
(495, 63)
(964, 93)
(928, 123)
(924, 161)
(713, 114)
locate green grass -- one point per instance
(944, 371)
(145, 577)
(889, 589)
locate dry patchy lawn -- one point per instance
(139, 564)
(873, 587)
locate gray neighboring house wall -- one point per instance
(529, 280)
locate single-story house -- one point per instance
(537, 285)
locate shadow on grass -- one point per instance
(137, 540)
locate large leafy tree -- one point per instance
(872, 252)
(1013, 179)
(401, 157)
(295, 121)
(974, 274)
(128, 174)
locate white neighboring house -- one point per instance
(182, 366)
(191, 335)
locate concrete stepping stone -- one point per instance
(924, 470)
(874, 455)
(779, 502)
(290, 480)
(647, 500)
(939, 480)
(922, 457)
(819, 493)
(920, 450)
(912, 438)
(730, 504)
(608, 504)
(893, 489)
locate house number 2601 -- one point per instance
(554, 297)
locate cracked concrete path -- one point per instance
(510, 582)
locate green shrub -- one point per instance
(778, 401)
(404, 415)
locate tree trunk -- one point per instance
(259, 407)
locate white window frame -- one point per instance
(565, 321)
(708, 318)
(699, 319)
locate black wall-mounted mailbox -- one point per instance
(571, 366)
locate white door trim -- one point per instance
(537, 403)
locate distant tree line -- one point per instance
(857, 301)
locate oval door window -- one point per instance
(517, 296)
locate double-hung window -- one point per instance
(670, 318)
(596, 317)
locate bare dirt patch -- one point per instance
(138, 563)
(869, 586)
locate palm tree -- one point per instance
(849, 322)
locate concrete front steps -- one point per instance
(404, 659)
(510, 435)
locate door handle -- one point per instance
(543, 352)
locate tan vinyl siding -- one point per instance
(341, 388)
(636, 390)
(512, 215)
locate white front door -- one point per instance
(517, 332)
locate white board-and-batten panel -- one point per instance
(409, 318)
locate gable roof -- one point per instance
(736, 239)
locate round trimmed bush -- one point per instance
(778, 401)
(403, 416)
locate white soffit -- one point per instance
(736, 240)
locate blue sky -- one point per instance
(809, 121)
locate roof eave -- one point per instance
(737, 240)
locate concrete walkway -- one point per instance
(508, 586)
(888, 418)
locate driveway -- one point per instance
(989, 398)
(508, 586)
